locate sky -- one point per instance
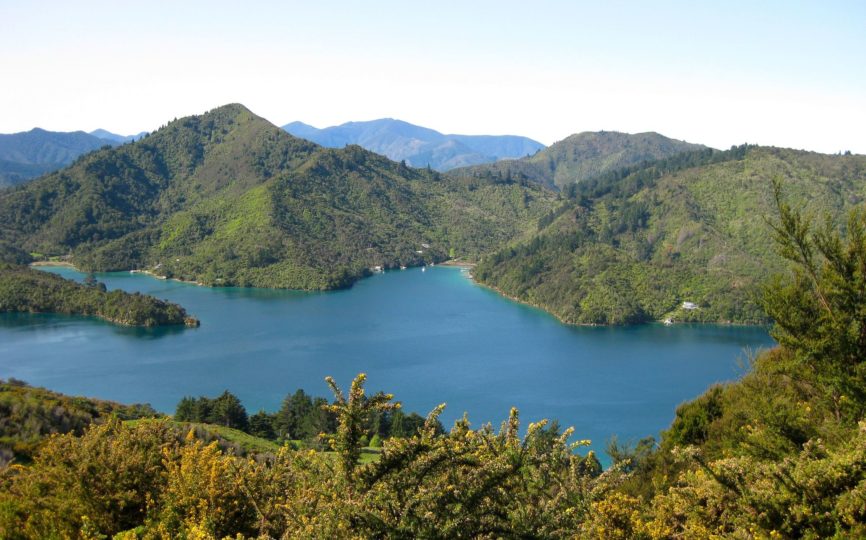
(790, 74)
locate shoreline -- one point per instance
(459, 264)
(449, 263)
(53, 263)
(164, 278)
(133, 271)
(591, 325)
(501, 293)
(188, 320)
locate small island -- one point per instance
(25, 290)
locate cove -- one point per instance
(427, 337)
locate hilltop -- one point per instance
(418, 146)
(226, 198)
(634, 245)
(583, 156)
(115, 138)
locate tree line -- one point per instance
(301, 418)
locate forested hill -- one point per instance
(634, 246)
(23, 289)
(583, 156)
(227, 198)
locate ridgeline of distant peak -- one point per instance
(227, 198)
(583, 156)
(30, 154)
(115, 138)
(418, 146)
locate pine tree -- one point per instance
(820, 309)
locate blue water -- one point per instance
(428, 337)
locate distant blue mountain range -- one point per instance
(29, 154)
(418, 146)
(119, 139)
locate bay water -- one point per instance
(428, 337)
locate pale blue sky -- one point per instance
(777, 73)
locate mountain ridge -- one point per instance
(114, 137)
(584, 155)
(30, 154)
(683, 239)
(418, 146)
(227, 198)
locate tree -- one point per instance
(820, 309)
(91, 282)
(290, 418)
(228, 411)
(397, 429)
(261, 425)
(186, 410)
(353, 413)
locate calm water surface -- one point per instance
(428, 337)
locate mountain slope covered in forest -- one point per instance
(226, 198)
(636, 245)
(583, 156)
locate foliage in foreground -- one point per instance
(143, 480)
(28, 415)
(781, 453)
(301, 418)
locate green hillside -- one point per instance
(583, 156)
(28, 415)
(633, 247)
(228, 439)
(23, 289)
(227, 198)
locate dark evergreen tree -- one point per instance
(262, 425)
(820, 312)
(228, 411)
(397, 429)
(186, 410)
(295, 408)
